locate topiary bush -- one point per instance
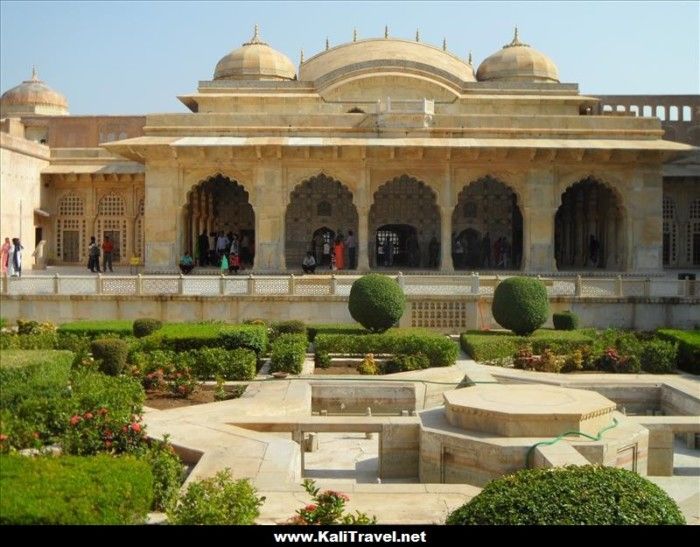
(565, 320)
(144, 327)
(570, 495)
(520, 304)
(110, 353)
(293, 326)
(376, 302)
(218, 500)
(245, 336)
(288, 353)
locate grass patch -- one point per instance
(14, 358)
(74, 490)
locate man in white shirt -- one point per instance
(309, 263)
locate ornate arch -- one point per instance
(71, 228)
(308, 210)
(487, 225)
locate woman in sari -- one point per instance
(5, 256)
(339, 254)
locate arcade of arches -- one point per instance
(404, 224)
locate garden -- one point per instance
(521, 306)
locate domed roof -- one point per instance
(33, 93)
(377, 55)
(255, 60)
(520, 62)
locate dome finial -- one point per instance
(516, 40)
(328, 44)
(256, 37)
(386, 31)
(301, 57)
(417, 35)
(35, 74)
(470, 58)
(354, 35)
(444, 44)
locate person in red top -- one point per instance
(107, 248)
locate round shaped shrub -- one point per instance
(520, 304)
(376, 302)
(588, 494)
(111, 355)
(565, 320)
(144, 327)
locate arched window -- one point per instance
(71, 229)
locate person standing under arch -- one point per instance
(339, 253)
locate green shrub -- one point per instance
(368, 366)
(330, 328)
(245, 336)
(96, 329)
(561, 342)
(403, 363)
(571, 495)
(34, 327)
(659, 357)
(440, 350)
(520, 304)
(488, 345)
(76, 343)
(688, 347)
(43, 340)
(288, 353)
(565, 320)
(144, 327)
(218, 500)
(167, 471)
(187, 336)
(376, 302)
(322, 359)
(110, 353)
(237, 364)
(74, 490)
(287, 327)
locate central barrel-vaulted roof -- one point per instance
(377, 55)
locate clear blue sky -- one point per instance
(135, 57)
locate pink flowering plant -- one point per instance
(328, 507)
(97, 431)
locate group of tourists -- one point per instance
(481, 253)
(94, 248)
(11, 257)
(331, 254)
(220, 250)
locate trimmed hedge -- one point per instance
(404, 363)
(688, 347)
(570, 496)
(186, 336)
(565, 320)
(440, 350)
(74, 490)
(110, 353)
(330, 328)
(245, 336)
(44, 340)
(144, 327)
(236, 364)
(292, 326)
(489, 345)
(94, 329)
(659, 357)
(288, 353)
(376, 302)
(520, 304)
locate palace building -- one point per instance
(425, 157)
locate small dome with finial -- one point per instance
(255, 60)
(33, 97)
(518, 62)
